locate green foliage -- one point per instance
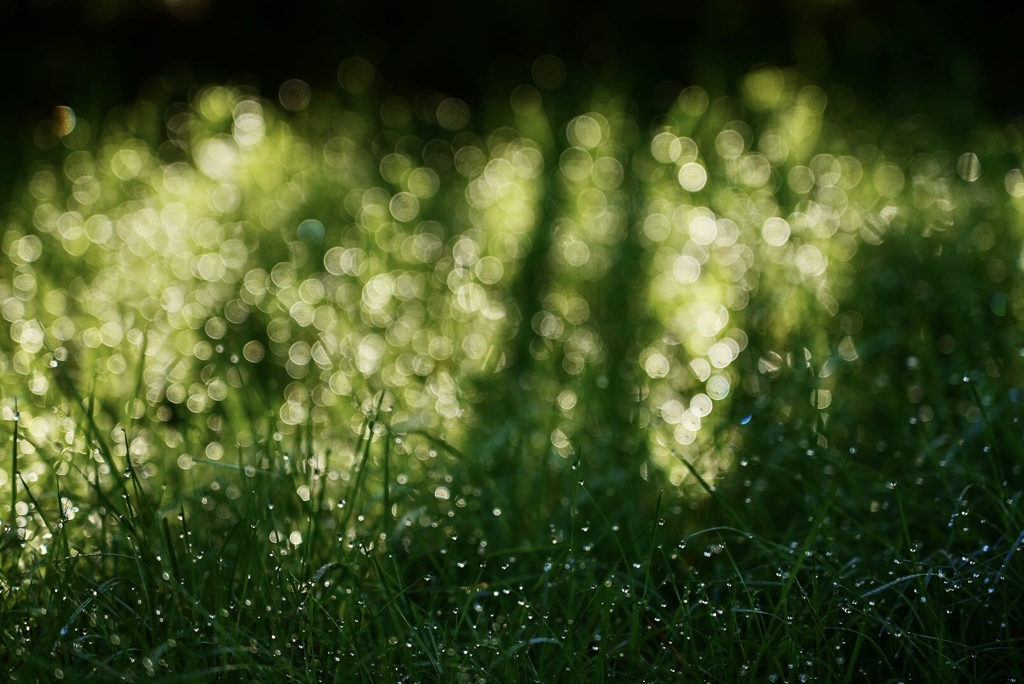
(370, 389)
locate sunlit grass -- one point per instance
(347, 386)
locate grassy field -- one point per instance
(337, 387)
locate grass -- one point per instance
(910, 579)
(420, 448)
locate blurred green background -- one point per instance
(521, 192)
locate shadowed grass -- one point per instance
(276, 583)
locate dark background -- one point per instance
(959, 64)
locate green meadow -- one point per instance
(325, 385)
